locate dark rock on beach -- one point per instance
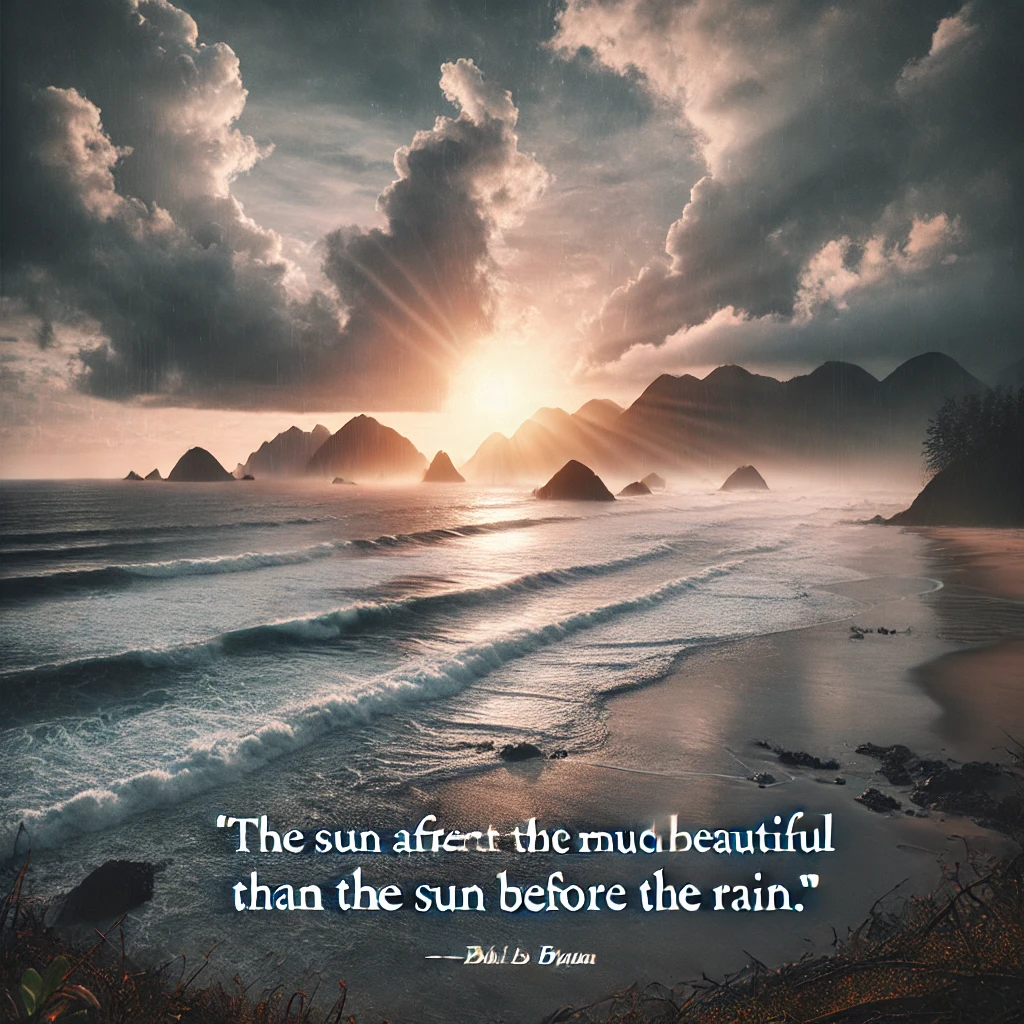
(894, 761)
(801, 759)
(972, 790)
(114, 888)
(575, 482)
(132, 475)
(875, 800)
(198, 466)
(519, 752)
(155, 475)
(634, 490)
(746, 478)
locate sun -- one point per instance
(496, 389)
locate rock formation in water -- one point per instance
(132, 475)
(634, 490)
(982, 490)
(366, 449)
(575, 482)
(198, 466)
(655, 482)
(155, 475)
(746, 478)
(114, 888)
(288, 454)
(441, 471)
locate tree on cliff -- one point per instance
(975, 425)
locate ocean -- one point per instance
(171, 652)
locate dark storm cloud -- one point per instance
(857, 155)
(120, 149)
(420, 285)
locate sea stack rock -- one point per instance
(575, 482)
(132, 475)
(746, 478)
(981, 490)
(155, 475)
(198, 466)
(655, 482)
(441, 471)
(634, 490)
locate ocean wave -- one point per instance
(225, 758)
(140, 530)
(312, 629)
(62, 581)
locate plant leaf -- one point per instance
(28, 1000)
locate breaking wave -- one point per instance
(17, 587)
(206, 767)
(322, 628)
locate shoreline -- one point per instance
(661, 736)
(684, 745)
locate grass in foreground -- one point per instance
(954, 957)
(43, 979)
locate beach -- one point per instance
(668, 649)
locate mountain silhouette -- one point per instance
(365, 449)
(838, 415)
(288, 454)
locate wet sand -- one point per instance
(981, 687)
(688, 745)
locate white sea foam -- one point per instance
(222, 760)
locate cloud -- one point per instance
(841, 145)
(419, 291)
(121, 147)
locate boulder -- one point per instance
(655, 482)
(746, 478)
(875, 800)
(634, 490)
(575, 482)
(197, 465)
(155, 475)
(114, 888)
(801, 759)
(441, 471)
(132, 475)
(519, 752)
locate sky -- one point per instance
(222, 217)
